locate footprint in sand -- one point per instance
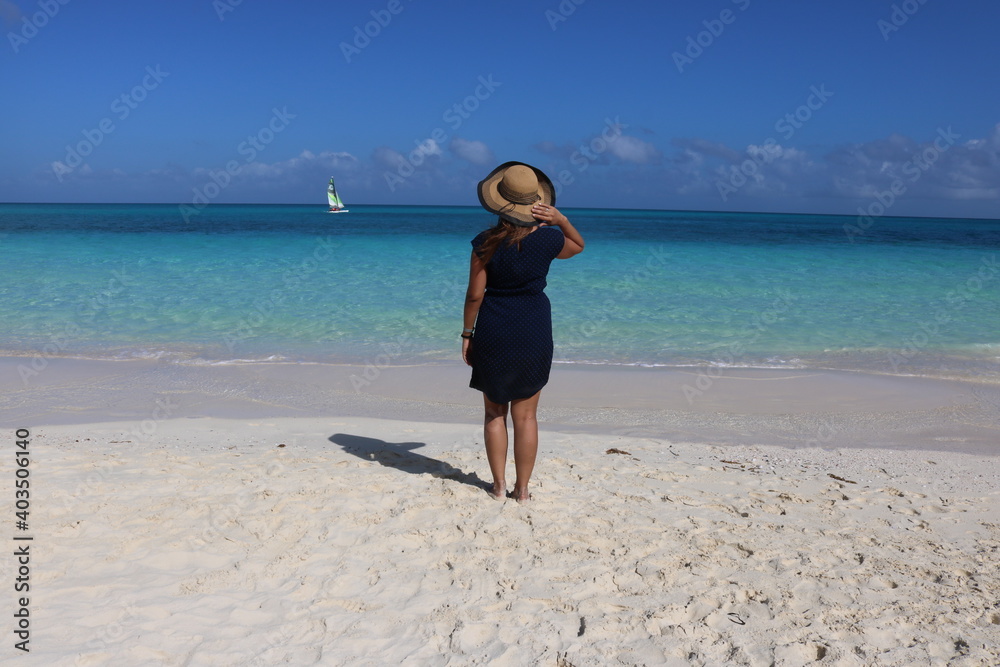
(909, 511)
(800, 654)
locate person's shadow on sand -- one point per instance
(400, 455)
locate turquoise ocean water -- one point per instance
(385, 285)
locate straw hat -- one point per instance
(512, 189)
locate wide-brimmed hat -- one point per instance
(512, 189)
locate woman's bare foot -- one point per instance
(499, 490)
(520, 495)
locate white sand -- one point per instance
(370, 542)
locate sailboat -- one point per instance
(336, 205)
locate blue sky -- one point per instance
(746, 105)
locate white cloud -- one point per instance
(429, 147)
(949, 169)
(387, 158)
(964, 178)
(632, 149)
(603, 147)
(475, 152)
(697, 148)
(305, 162)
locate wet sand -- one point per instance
(792, 408)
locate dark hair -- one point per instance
(503, 231)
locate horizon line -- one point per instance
(473, 206)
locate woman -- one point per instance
(507, 335)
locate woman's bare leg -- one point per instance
(495, 434)
(523, 416)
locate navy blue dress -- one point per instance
(511, 353)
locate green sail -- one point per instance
(332, 197)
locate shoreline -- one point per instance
(933, 364)
(790, 408)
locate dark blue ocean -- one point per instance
(385, 285)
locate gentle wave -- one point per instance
(282, 284)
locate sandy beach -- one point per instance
(258, 515)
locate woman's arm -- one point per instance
(473, 299)
(550, 215)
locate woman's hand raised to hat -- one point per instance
(548, 215)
